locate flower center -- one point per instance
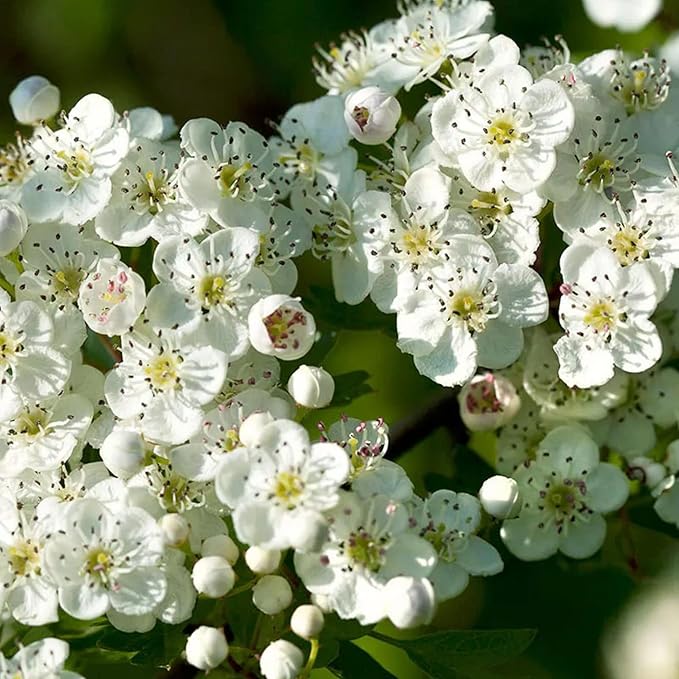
(288, 488)
(640, 86)
(77, 164)
(597, 171)
(13, 164)
(8, 348)
(233, 179)
(482, 397)
(162, 373)
(30, 425)
(155, 194)
(231, 440)
(601, 316)
(303, 160)
(24, 558)
(98, 564)
(489, 210)
(213, 291)
(67, 282)
(629, 244)
(282, 326)
(470, 307)
(363, 550)
(335, 237)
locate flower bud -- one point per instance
(272, 594)
(487, 402)
(111, 297)
(175, 529)
(250, 429)
(499, 496)
(33, 100)
(280, 326)
(124, 453)
(220, 545)
(409, 602)
(647, 471)
(213, 576)
(281, 660)
(371, 114)
(307, 621)
(13, 225)
(206, 648)
(262, 561)
(311, 387)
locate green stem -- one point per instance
(7, 286)
(242, 588)
(381, 637)
(313, 654)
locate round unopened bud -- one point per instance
(250, 429)
(111, 297)
(307, 621)
(13, 225)
(34, 99)
(175, 529)
(262, 561)
(124, 453)
(220, 545)
(488, 402)
(371, 114)
(280, 326)
(281, 660)
(311, 387)
(499, 496)
(647, 471)
(409, 602)
(206, 648)
(213, 576)
(272, 594)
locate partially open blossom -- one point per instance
(371, 114)
(34, 99)
(13, 226)
(311, 387)
(488, 401)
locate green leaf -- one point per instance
(354, 663)
(157, 648)
(455, 653)
(349, 386)
(344, 630)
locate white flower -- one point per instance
(307, 621)
(371, 114)
(605, 311)
(504, 129)
(228, 173)
(625, 15)
(499, 496)
(206, 648)
(253, 370)
(164, 380)
(213, 576)
(206, 290)
(369, 543)
(488, 401)
(34, 99)
(449, 521)
(112, 297)
(13, 226)
(563, 492)
(280, 484)
(105, 560)
(311, 387)
(42, 659)
(74, 164)
(281, 660)
(30, 369)
(145, 200)
(411, 602)
(470, 312)
(124, 452)
(543, 59)
(15, 168)
(279, 326)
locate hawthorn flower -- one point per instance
(488, 401)
(470, 312)
(605, 311)
(449, 521)
(207, 289)
(34, 100)
(278, 488)
(503, 130)
(146, 201)
(564, 491)
(369, 543)
(31, 370)
(252, 371)
(371, 114)
(43, 659)
(104, 560)
(73, 165)
(165, 381)
(625, 15)
(13, 226)
(228, 172)
(16, 167)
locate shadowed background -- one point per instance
(250, 61)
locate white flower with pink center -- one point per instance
(112, 297)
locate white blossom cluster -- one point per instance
(132, 490)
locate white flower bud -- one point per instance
(307, 621)
(311, 387)
(250, 429)
(371, 114)
(206, 648)
(647, 471)
(13, 225)
(124, 453)
(279, 326)
(220, 545)
(34, 99)
(499, 496)
(272, 594)
(409, 602)
(213, 576)
(262, 561)
(111, 297)
(281, 660)
(488, 402)
(175, 529)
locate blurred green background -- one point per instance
(250, 61)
